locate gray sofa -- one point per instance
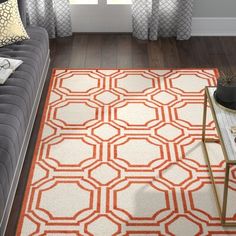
(19, 99)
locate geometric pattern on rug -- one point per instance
(119, 153)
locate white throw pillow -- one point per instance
(11, 26)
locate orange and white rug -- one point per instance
(119, 153)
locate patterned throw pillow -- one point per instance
(11, 27)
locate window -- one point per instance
(84, 2)
(88, 2)
(101, 15)
(119, 1)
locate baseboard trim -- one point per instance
(214, 26)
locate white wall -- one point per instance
(213, 17)
(102, 18)
(214, 8)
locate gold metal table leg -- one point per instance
(222, 209)
(204, 118)
(225, 197)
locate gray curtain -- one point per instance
(53, 15)
(162, 18)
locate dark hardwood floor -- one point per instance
(123, 51)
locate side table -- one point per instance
(223, 119)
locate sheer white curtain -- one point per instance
(53, 15)
(162, 18)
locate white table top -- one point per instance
(225, 119)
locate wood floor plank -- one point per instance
(170, 53)
(109, 51)
(139, 54)
(94, 51)
(217, 55)
(187, 53)
(78, 51)
(155, 54)
(124, 51)
(62, 53)
(200, 55)
(230, 52)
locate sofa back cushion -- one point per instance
(22, 9)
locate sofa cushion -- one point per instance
(17, 98)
